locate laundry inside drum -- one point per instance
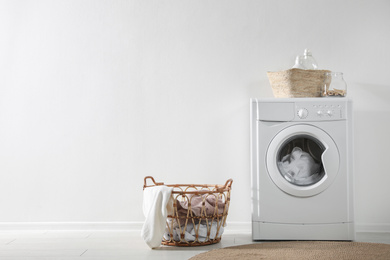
(299, 160)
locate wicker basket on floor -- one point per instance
(295, 83)
(182, 217)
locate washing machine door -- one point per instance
(302, 160)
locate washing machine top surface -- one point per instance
(301, 109)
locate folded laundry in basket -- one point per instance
(202, 231)
(197, 203)
(190, 232)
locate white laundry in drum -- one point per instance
(299, 168)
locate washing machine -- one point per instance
(301, 169)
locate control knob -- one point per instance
(302, 113)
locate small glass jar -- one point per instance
(334, 85)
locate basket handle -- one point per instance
(228, 184)
(155, 183)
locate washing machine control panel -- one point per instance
(321, 111)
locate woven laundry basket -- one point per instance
(295, 83)
(193, 210)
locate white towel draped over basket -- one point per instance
(157, 204)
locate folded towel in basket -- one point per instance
(197, 202)
(191, 230)
(157, 204)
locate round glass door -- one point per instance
(302, 160)
(299, 160)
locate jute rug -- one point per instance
(301, 250)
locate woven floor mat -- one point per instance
(313, 250)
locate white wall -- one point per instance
(95, 95)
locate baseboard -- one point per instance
(98, 226)
(232, 227)
(118, 226)
(241, 227)
(375, 228)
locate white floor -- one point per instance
(114, 245)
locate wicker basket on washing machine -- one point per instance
(296, 83)
(185, 197)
